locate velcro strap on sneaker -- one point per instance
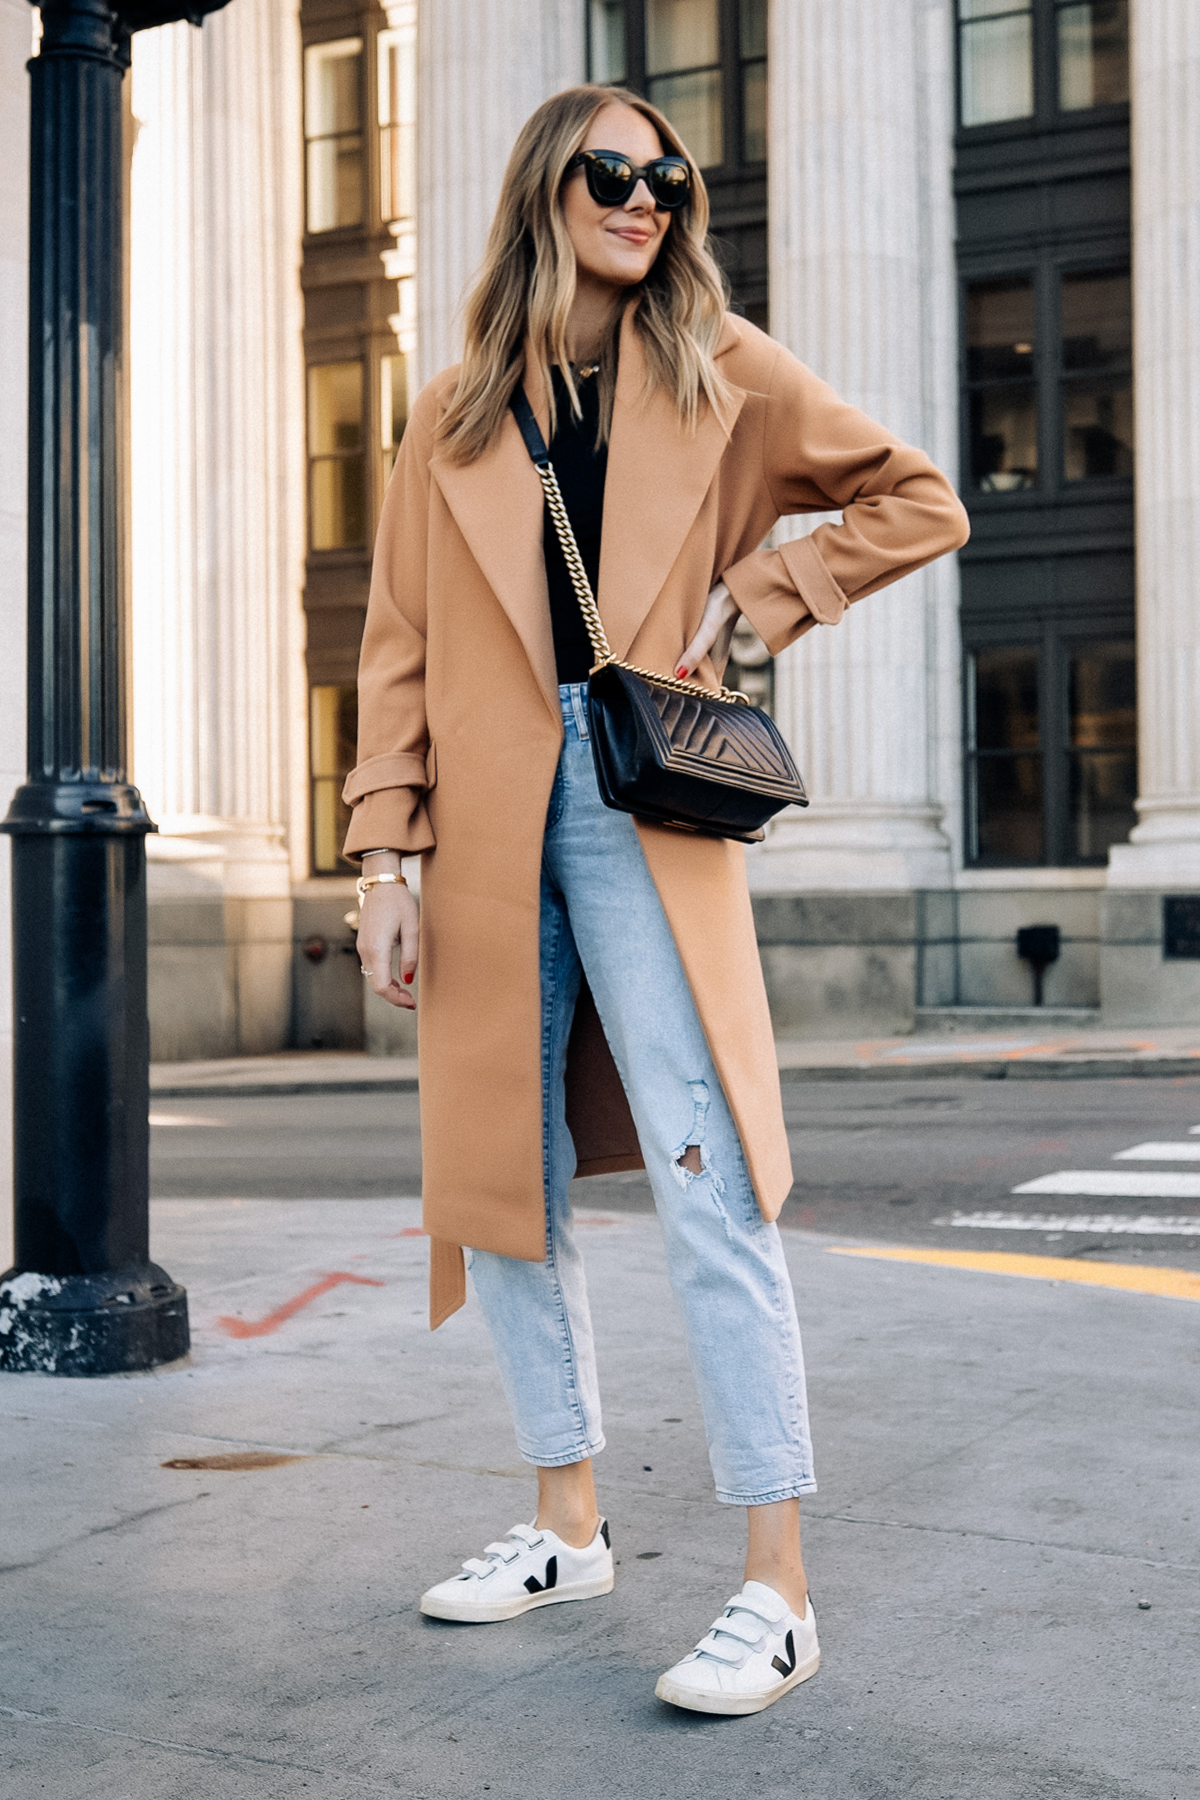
(528, 1535)
(733, 1656)
(758, 1609)
(746, 1630)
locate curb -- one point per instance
(1030, 1068)
(1027, 1068)
(241, 1088)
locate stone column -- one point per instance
(1138, 983)
(15, 49)
(483, 69)
(862, 289)
(218, 526)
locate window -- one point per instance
(1093, 54)
(1001, 390)
(397, 68)
(683, 69)
(337, 489)
(1051, 750)
(1051, 415)
(1102, 753)
(1018, 59)
(753, 48)
(703, 62)
(1004, 821)
(995, 40)
(1097, 375)
(333, 133)
(606, 41)
(393, 410)
(333, 733)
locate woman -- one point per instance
(591, 993)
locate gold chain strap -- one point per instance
(591, 612)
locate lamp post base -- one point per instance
(118, 1323)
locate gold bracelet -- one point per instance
(365, 882)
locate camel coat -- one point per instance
(460, 732)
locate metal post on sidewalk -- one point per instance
(83, 1297)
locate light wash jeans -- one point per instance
(601, 911)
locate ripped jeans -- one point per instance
(601, 913)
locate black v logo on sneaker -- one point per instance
(777, 1662)
(539, 1587)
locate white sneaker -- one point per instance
(530, 1568)
(754, 1652)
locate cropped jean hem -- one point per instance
(793, 1492)
(562, 1462)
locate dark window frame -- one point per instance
(334, 781)
(1047, 269)
(1047, 115)
(1050, 566)
(348, 302)
(359, 453)
(356, 25)
(1054, 641)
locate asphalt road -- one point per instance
(879, 1161)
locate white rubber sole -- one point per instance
(676, 1693)
(512, 1609)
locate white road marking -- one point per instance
(1115, 1184)
(1160, 1153)
(1102, 1224)
(188, 1119)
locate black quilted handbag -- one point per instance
(667, 750)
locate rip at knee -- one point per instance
(692, 1159)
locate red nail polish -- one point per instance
(410, 975)
(681, 671)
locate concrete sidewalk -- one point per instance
(1021, 1050)
(1008, 1467)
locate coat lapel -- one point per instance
(657, 478)
(497, 504)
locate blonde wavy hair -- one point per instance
(527, 284)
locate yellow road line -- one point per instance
(1176, 1284)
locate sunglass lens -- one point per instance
(611, 178)
(669, 183)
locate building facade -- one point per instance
(979, 219)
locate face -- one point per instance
(615, 246)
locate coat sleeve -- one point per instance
(386, 787)
(820, 455)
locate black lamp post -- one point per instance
(83, 1297)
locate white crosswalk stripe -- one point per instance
(1100, 1224)
(1113, 1184)
(1160, 1153)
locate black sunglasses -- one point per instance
(611, 178)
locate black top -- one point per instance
(581, 469)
